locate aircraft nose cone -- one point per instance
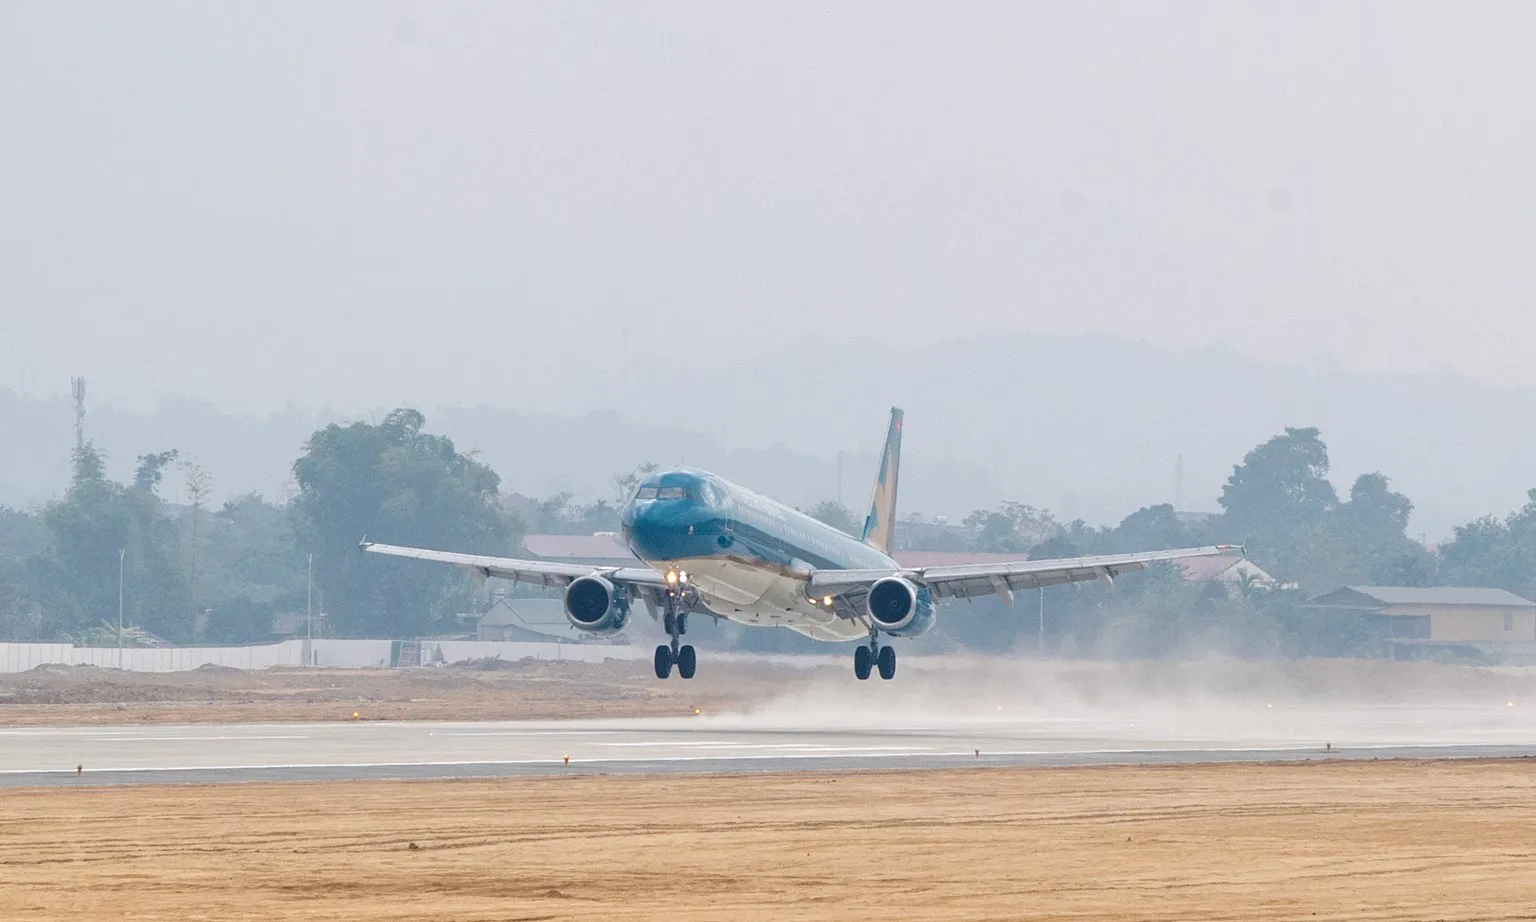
(667, 530)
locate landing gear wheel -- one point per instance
(673, 653)
(887, 661)
(862, 657)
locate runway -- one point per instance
(207, 753)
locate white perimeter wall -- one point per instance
(345, 654)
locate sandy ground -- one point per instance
(1379, 841)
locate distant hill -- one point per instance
(1089, 427)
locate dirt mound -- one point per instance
(47, 669)
(489, 689)
(487, 664)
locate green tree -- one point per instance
(1374, 508)
(1013, 528)
(199, 485)
(87, 528)
(837, 515)
(596, 517)
(255, 569)
(393, 482)
(76, 577)
(625, 484)
(559, 516)
(1149, 528)
(1054, 548)
(554, 516)
(1279, 504)
(1368, 542)
(995, 533)
(1282, 482)
(151, 470)
(1491, 552)
(21, 534)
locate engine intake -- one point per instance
(893, 603)
(592, 604)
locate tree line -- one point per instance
(190, 571)
(1281, 507)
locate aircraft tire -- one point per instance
(687, 661)
(862, 660)
(663, 661)
(887, 662)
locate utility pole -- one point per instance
(77, 390)
(309, 614)
(122, 557)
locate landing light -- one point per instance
(671, 577)
(827, 601)
(682, 576)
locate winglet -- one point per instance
(881, 521)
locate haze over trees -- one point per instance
(1087, 427)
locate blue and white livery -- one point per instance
(712, 547)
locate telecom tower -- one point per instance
(77, 387)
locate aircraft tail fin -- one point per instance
(881, 521)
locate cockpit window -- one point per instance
(670, 493)
(646, 492)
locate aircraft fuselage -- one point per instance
(746, 555)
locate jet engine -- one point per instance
(594, 605)
(899, 608)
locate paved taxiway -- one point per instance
(363, 749)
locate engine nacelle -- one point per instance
(592, 604)
(899, 607)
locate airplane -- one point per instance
(712, 548)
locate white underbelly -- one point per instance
(753, 595)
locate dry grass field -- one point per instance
(531, 690)
(524, 690)
(1340, 840)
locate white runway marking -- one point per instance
(185, 739)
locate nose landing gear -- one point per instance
(672, 654)
(871, 656)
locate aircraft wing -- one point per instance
(964, 581)
(542, 572)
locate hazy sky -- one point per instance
(354, 204)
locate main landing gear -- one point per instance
(671, 654)
(873, 656)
